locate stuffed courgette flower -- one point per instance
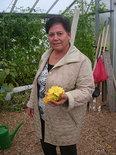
(54, 93)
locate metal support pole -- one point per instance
(34, 6)
(82, 7)
(13, 5)
(69, 6)
(113, 35)
(52, 6)
(97, 19)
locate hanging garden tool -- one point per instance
(99, 71)
(6, 137)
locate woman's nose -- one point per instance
(55, 37)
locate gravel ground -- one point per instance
(98, 136)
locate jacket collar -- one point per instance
(73, 55)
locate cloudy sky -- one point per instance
(42, 5)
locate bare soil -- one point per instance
(98, 136)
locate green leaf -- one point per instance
(11, 86)
(2, 77)
(7, 71)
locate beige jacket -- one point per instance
(74, 73)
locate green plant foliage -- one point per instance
(21, 38)
(8, 73)
(17, 103)
(6, 76)
(22, 42)
(85, 38)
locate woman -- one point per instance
(59, 123)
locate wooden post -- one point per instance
(74, 25)
(110, 82)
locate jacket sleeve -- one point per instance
(84, 86)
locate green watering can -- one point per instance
(6, 137)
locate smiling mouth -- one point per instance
(57, 44)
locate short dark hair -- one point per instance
(64, 21)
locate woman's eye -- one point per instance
(51, 34)
(60, 33)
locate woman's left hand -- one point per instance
(64, 98)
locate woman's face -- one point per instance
(58, 37)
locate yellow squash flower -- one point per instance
(54, 93)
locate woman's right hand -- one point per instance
(30, 112)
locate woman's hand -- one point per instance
(30, 112)
(64, 98)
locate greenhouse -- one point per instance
(23, 42)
